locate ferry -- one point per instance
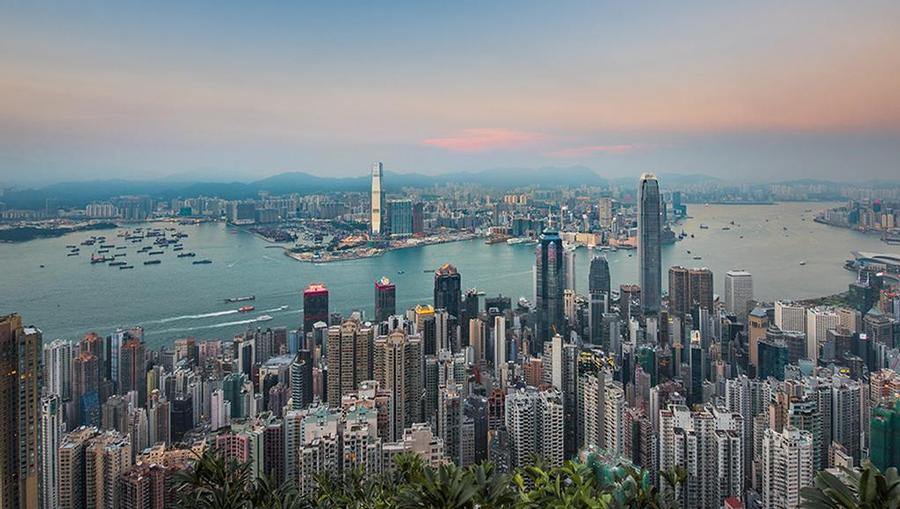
(246, 309)
(202, 262)
(123, 267)
(241, 299)
(152, 262)
(99, 259)
(264, 318)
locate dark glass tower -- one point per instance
(447, 289)
(549, 286)
(385, 299)
(649, 236)
(599, 289)
(315, 305)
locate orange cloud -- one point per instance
(590, 150)
(484, 139)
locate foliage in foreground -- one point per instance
(866, 488)
(217, 483)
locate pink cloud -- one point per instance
(590, 150)
(484, 139)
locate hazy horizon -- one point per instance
(761, 92)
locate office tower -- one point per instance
(534, 421)
(499, 354)
(51, 436)
(58, 368)
(398, 370)
(301, 373)
(689, 288)
(315, 305)
(696, 362)
(712, 434)
(613, 417)
(599, 294)
(20, 413)
(107, 457)
(569, 268)
(85, 386)
(477, 339)
(773, 358)
(803, 414)
(604, 212)
(549, 286)
(71, 456)
(738, 292)
(789, 316)
(401, 217)
(385, 299)
(377, 215)
(448, 289)
(349, 358)
(846, 398)
(649, 244)
(787, 467)
(757, 326)
(133, 370)
(885, 429)
(819, 321)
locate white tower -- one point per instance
(377, 218)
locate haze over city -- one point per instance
(221, 91)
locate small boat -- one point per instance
(802, 262)
(103, 251)
(71, 246)
(42, 266)
(153, 253)
(264, 318)
(152, 262)
(121, 247)
(726, 228)
(704, 227)
(73, 253)
(202, 262)
(688, 251)
(698, 257)
(241, 299)
(401, 272)
(186, 255)
(118, 264)
(123, 267)
(692, 235)
(246, 309)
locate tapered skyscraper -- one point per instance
(377, 218)
(549, 286)
(649, 253)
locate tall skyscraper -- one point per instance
(599, 294)
(447, 289)
(20, 413)
(549, 286)
(649, 244)
(398, 370)
(315, 305)
(349, 358)
(51, 436)
(787, 467)
(133, 369)
(377, 215)
(385, 299)
(689, 288)
(818, 322)
(401, 222)
(738, 292)
(569, 268)
(58, 368)
(534, 421)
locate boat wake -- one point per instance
(193, 317)
(204, 327)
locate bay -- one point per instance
(69, 296)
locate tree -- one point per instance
(865, 488)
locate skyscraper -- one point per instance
(787, 467)
(315, 305)
(447, 289)
(385, 299)
(689, 288)
(349, 358)
(58, 368)
(599, 292)
(398, 370)
(377, 216)
(738, 292)
(649, 239)
(401, 212)
(51, 436)
(20, 413)
(549, 286)
(133, 369)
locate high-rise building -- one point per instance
(707, 443)
(72, 476)
(20, 413)
(846, 410)
(569, 266)
(315, 306)
(58, 368)
(689, 288)
(107, 457)
(757, 327)
(133, 370)
(613, 417)
(549, 286)
(398, 370)
(885, 443)
(789, 316)
(738, 292)
(649, 244)
(819, 321)
(534, 421)
(52, 429)
(377, 213)
(349, 358)
(385, 299)
(604, 212)
(401, 217)
(599, 293)
(787, 467)
(447, 289)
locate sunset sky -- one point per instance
(141, 90)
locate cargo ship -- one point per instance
(126, 267)
(241, 299)
(202, 262)
(152, 262)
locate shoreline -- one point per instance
(372, 252)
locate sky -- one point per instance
(241, 90)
